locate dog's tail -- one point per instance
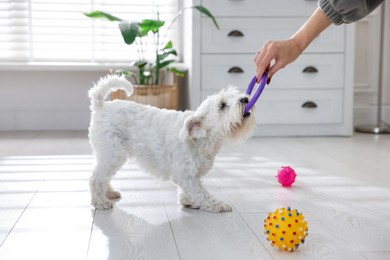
(105, 85)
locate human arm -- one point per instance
(282, 53)
(275, 55)
(347, 11)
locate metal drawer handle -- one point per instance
(236, 33)
(309, 104)
(235, 70)
(310, 69)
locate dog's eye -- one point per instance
(222, 105)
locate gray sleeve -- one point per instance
(347, 11)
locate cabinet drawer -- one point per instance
(247, 35)
(296, 107)
(321, 71)
(260, 7)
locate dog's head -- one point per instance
(220, 116)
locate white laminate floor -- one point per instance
(342, 188)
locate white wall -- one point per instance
(52, 100)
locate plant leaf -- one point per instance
(140, 63)
(168, 45)
(206, 12)
(129, 31)
(178, 72)
(126, 73)
(165, 53)
(165, 63)
(149, 25)
(102, 15)
(162, 56)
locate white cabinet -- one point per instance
(221, 70)
(312, 96)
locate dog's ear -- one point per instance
(192, 128)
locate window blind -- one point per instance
(58, 31)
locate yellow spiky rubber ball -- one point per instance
(286, 229)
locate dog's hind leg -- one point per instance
(106, 167)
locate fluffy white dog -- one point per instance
(169, 144)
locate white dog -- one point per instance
(169, 144)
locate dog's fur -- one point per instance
(169, 144)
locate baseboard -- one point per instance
(368, 115)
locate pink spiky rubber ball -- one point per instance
(286, 176)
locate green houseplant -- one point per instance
(136, 32)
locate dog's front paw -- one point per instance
(214, 205)
(103, 204)
(111, 194)
(183, 200)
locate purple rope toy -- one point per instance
(257, 94)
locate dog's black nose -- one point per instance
(244, 100)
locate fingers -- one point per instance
(263, 59)
(261, 66)
(275, 55)
(264, 66)
(277, 66)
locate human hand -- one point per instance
(275, 55)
